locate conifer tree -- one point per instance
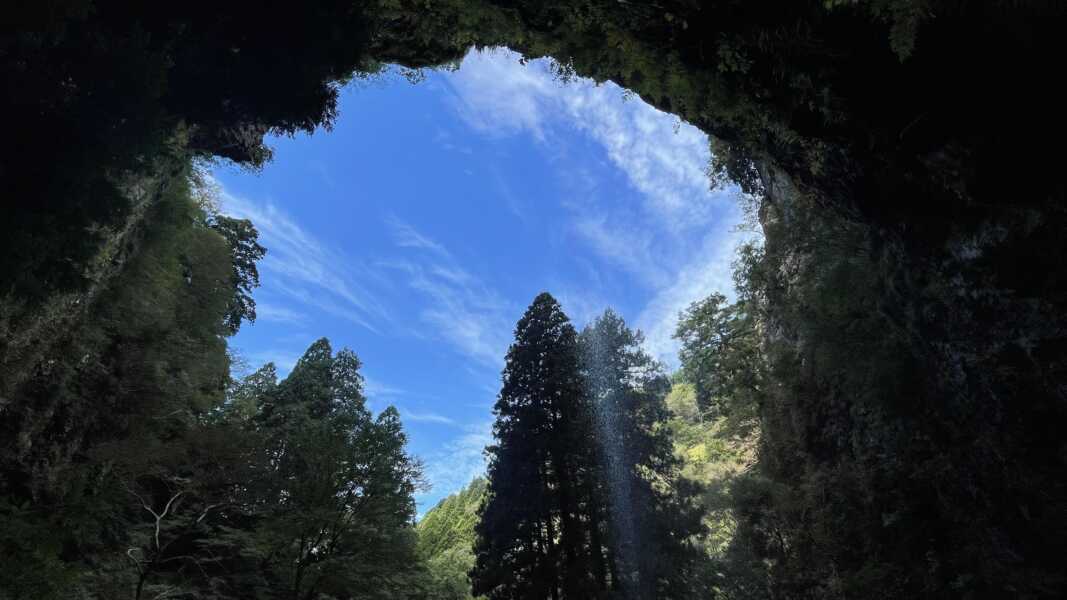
(640, 506)
(532, 537)
(336, 484)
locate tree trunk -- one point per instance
(596, 545)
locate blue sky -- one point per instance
(418, 230)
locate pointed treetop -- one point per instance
(544, 314)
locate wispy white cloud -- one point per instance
(581, 305)
(426, 417)
(626, 244)
(283, 360)
(377, 389)
(675, 236)
(380, 394)
(407, 237)
(662, 157)
(279, 314)
(446, 142)
(459, 308)
(320, 169)
(305, 269)
(508, 195)
(452, 304)
(460, 460)
(510, 100)
(710, 270)
(312, 297)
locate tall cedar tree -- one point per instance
(531, 540)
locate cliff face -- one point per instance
(30, 330)
(912, 438)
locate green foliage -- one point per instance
(241, 235)
(114, 417)
(721, 355)
(335, 485)
(717, 458)
(133, 467)
(450, 524)
(30, 547)
(446, 537)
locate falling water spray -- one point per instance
(602, 380)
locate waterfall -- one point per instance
(606, 400)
